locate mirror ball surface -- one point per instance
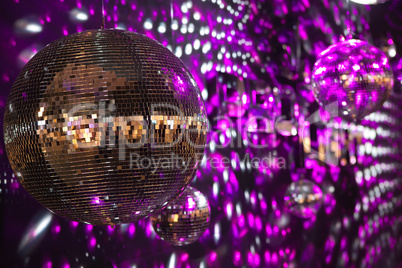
(303, 198)
(354, 74)
(184, 220)
(105, 126)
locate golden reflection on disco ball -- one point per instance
(303, 198)
(355, 75)
(184, 220)
(105, 127)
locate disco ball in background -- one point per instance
(398, 77)
(354, 74)
(185, 220)
(104, 127)
(303, 198)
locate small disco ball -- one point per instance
(184, 220)
(105, 127)
(303, 198)
(354, 74)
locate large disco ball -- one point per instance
(183, 221)
(354, 74)
(303, 198)
(105, 127)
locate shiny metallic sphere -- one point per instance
(105, 127)
(303, 198)
(355, 75)
(185, 220)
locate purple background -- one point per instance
(359, 224)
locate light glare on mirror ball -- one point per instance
(369, 2)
